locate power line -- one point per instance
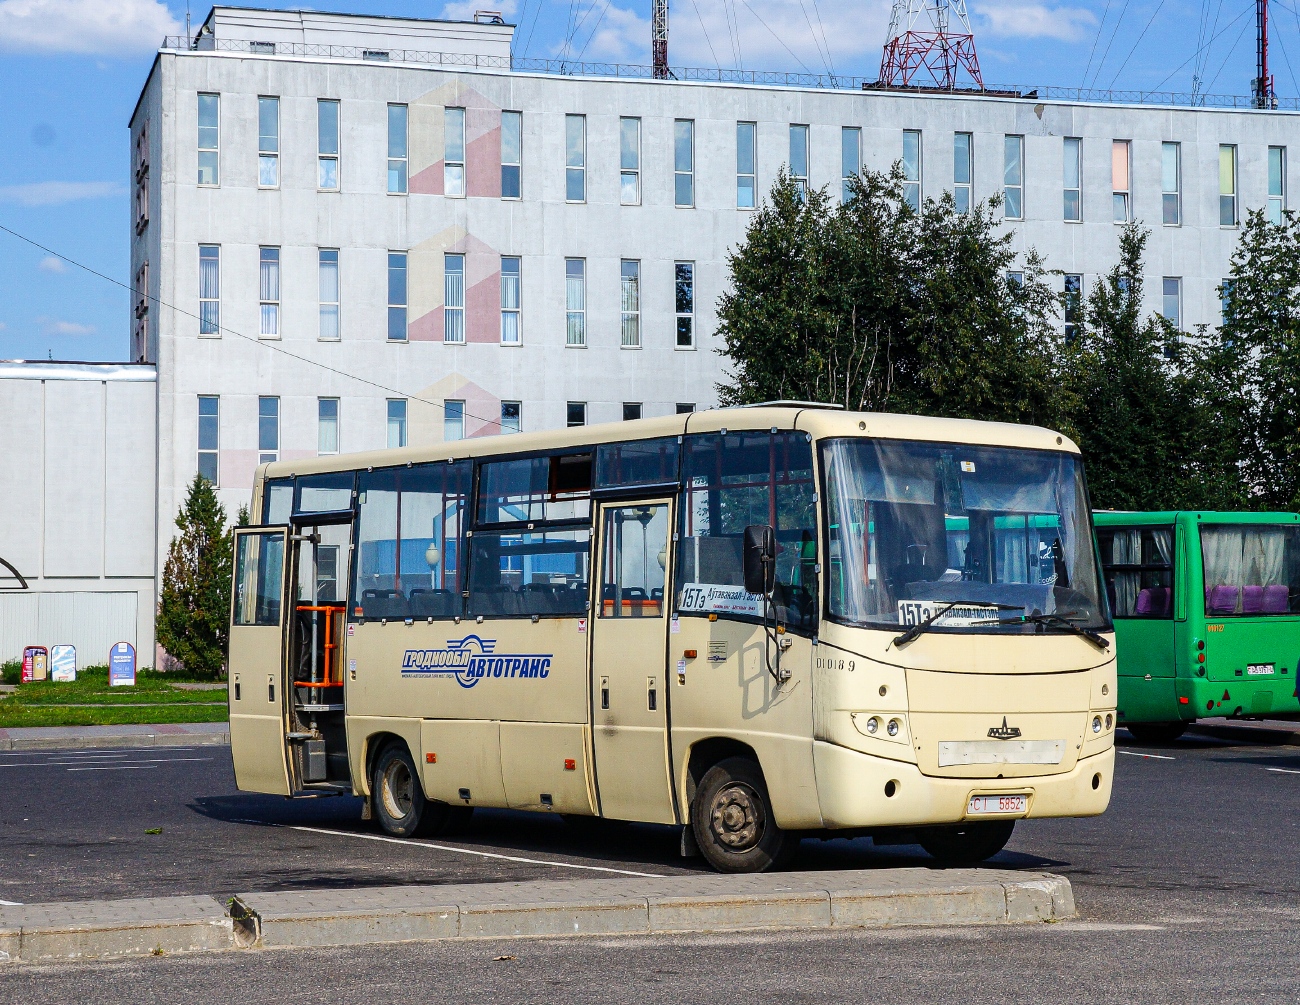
(1147, 28)
(1230, 52)
(830, 59)
(776, 36)
(1209, 43)
(708, 41)
(1115, 31)
(1083, 82)
(271, 346)
(813, 32)
(595, 29)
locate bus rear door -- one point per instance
(629, 663)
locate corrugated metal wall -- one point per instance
(92, 622)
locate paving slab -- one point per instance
(131, 735)
(93, 929)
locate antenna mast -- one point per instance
(1262, 85)
(659, 38)
(922, 42)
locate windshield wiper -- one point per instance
(1056, 620)
(924, 626)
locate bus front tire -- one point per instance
(732, 818)
(1156, 732)
(968, 843)
(400, 805)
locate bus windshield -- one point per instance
(1251, 569)
(998, 532)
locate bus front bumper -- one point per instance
(852, 789)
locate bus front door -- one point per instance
(628, 666)
(256, 661)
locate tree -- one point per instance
(194, 605)
(876, 306)
(1136, 407)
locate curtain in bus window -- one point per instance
(733, 481)
(1263, 556)
(519, 574)
(1127, 551)
(1251, 569)
(1221, 551)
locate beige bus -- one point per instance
(755, 623)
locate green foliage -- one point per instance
(194, 605)
(878, 307)
(11, 672)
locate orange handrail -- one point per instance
(329, 610)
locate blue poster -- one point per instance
(121, 665)
(63, 664)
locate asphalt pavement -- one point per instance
(1188, 884)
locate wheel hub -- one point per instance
(397, 790)
(737, 817)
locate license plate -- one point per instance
(1259, 669)
(997, 804)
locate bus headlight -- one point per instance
(1096, 724)
(1109, 720)
(873, 724)
(892, 728)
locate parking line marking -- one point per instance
(119, 767)
(472, 851)
(11, 903)
(1284, 771)
(1158, 757)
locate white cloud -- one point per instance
(85, 27)
(55, 193)
(1035, 20)
(609, 34)
(51, 264)
(53, 326)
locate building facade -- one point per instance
(356, 232)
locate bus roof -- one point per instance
(819, 422)
(1134, 518)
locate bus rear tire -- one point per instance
(968, 843)
(1156, 732)
(400, 805)
(732, 818)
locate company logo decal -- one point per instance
(473, 659)
(1004, 732)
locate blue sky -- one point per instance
(71, 70)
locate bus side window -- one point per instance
(1181, 576)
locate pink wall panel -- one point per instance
(427, 327)
(483, 310)
(428, 181)
(483, 169)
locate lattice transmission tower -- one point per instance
(929, 43)
(659, 38)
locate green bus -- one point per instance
(1207, 616)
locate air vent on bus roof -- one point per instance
(793, 404)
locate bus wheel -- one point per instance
(399, 802)
(967, 844)
(1156, 732)
(733, 822)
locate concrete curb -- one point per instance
(86, 737)
(706, 903)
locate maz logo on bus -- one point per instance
(472, 659)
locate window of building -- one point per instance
(1072, 302)
(397, 296)
(1225, 299)
(329, 294)
(1016, 278)
(327, 144)
(511, 270)
(1171, 203)
(962, 170)
(268, 291)
(209, 436)
(209, 289)
(746, 134)
(629, 161)
(268, 142)
(327, 425)
(684, 303)
(576, 413)
(453, 292)
(453, 157)
(140, 327)
(1172, 305)
(397, 149)
(685, 407)
(912, 168)
(575, 158)
(209, 136)
(396, 422)
(512, 413)
(630, 304)
(512, 149)
(1120, 185)
(850, 159)
(453, 419)
(1072, 180)
(268, 430)
(684, 163)
(1276, 183)
(799, 158)
(1227, 185)
(1013, 177)
(631, 410)
(140, 172)
(575, 301)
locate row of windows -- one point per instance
(511, 327)
(1171, 300)
(327, 425)
(683, 162)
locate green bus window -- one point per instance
(1137, 564)
(1251, 569)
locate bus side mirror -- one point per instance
(760, 559)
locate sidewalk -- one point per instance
(1266, 732)
(183, 734)
(44, 933)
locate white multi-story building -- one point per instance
(359, 231)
